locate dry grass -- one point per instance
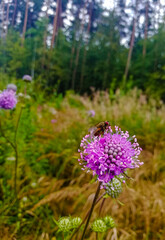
(142, 217)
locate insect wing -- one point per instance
(92, 130)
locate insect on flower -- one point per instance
(99, 128)
(109, 153)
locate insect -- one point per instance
(99, 128)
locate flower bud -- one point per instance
(109, 222)
(64, 224)
(75, 222)
(27, 78)
(99, 226)
(12, 87)
(114, 188)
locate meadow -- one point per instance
(50, 182)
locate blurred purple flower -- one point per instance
(8, 99)
(53, 121)
(12, 87)
(110, 154)
(91, 113)
(27, 78)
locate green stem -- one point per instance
(85, 217)
(63, 236)
(16, 152)
(6, 138)
(97, 237)
(91, 210)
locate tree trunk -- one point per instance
(146, 29)
(78, 51)
(85, 51)
(45, 33)
(3, 17)
(14, 13)
(7, 18)
(25, 22)
(131, 45)
(74, 38)
(55, 23)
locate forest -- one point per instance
(82, 119)
(76, 44)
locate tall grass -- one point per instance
(51, 183)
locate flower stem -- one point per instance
(97, 236)
(3, 135)
(91, 210)
(85, 217)
(16, 152)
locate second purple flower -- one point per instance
(8, 99)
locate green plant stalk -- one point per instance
(71, 237)
(6, 138)
(14, 146)
(91, 210)
(97, 237)
(16, 152)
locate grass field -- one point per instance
(50, 182)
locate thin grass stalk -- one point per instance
(101, 206)
(91, 210)
(16, 152)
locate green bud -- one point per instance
(99, 226)
(76, 222)
(19, 215)
(114, 188)
(64, 224)
(109, 222)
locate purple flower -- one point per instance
(8, 99)
(53, 121)
(91, 113)
(27, 78)
(110, 154)
(12, 87)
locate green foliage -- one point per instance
(101, 62)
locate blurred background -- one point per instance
(90, 61)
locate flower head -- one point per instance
(114, 187)
(109, 222)
(91, 113)
(8, 99)
(27, 78)
(12, 87)
(76, 222)
(64, 224)
(53, 120)
(110, 154)
(99, 226)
